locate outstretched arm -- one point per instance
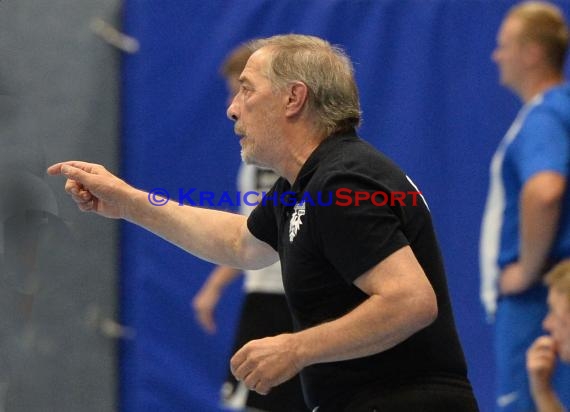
(212, 235)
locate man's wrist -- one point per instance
(541, 387)
(133, 204)
(302, 349)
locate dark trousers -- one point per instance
(414, 397)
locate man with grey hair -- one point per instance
(364, 278)
(264, 310)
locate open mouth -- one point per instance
(240, 133)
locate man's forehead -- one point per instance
(512, 26)
(559, 299)
(255, 65)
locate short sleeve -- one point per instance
(262, 222)
(543, 145)
(354, 238)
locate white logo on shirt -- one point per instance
(507, 399)
(295, 223)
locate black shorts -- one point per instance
(264, 315)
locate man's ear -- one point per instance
(297, 95)
(534, 53)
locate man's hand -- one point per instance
(204, 304)
(265, 363)
(93, 188)
(540, 363)
(208, 297)
(513, 280)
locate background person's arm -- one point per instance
(540, 206)
(207, 298)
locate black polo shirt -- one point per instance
(326, 241)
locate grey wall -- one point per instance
(58, 266)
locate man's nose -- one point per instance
(232, 111)
(546, 323)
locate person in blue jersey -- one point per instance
(365, 283)
(526, 226)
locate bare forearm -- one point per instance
(539, 225)
(371, 328)
(221, 276)
(547, 401)
(538, 232)
(401, 302)
(209, 234)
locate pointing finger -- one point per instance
(76, 174)
(56, 169)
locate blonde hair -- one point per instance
(327, 72)
(544, 23)
(559, 278)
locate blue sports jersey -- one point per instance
(538, 140)
(542, 144)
